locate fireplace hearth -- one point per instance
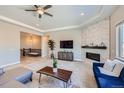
(93, 56)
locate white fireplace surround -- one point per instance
(99, 32)
(103, 53)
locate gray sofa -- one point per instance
(15, 78)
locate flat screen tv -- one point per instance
(66, 44)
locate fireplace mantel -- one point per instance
(95, 47)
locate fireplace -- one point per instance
(93, 56)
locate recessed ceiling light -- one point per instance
(82, 14)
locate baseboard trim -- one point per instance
(2, 66)
(78, 60)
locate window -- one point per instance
(120, 40)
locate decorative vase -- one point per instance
(55, 70)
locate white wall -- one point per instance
(9, 45)
(96, 33)
(72, 34)
(116, 18)
(10, 38)
(10, 42)
(45, 46)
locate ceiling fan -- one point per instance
(41, 10)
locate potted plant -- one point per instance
(51, 45)
(54, 65)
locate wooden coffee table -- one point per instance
(61, 74)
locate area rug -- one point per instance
(82, 76)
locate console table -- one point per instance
(68, 56)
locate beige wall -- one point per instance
(10, 43)
(29, 40)
(71, 34)
(116, 18)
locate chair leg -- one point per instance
(30, 79)
(39, 77)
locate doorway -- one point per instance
(30, 46)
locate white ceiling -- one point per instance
(64, 16)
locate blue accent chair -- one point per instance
(107, 81)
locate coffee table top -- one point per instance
(61, 74)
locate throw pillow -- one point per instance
(109, 65)
(106, 72)
(117, 69)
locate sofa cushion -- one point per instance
(97, 73)
(122, 75)
(117, 69)
(109, 65)
(106, 72)
(108, 83)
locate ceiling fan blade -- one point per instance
(47, 6)
(40, 15)
(48, 14)
(35, 6)
(30, 10)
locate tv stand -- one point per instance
(68, 56)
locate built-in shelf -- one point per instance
(95, 47)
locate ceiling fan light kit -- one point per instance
(41, 10)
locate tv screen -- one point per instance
(66, 44)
